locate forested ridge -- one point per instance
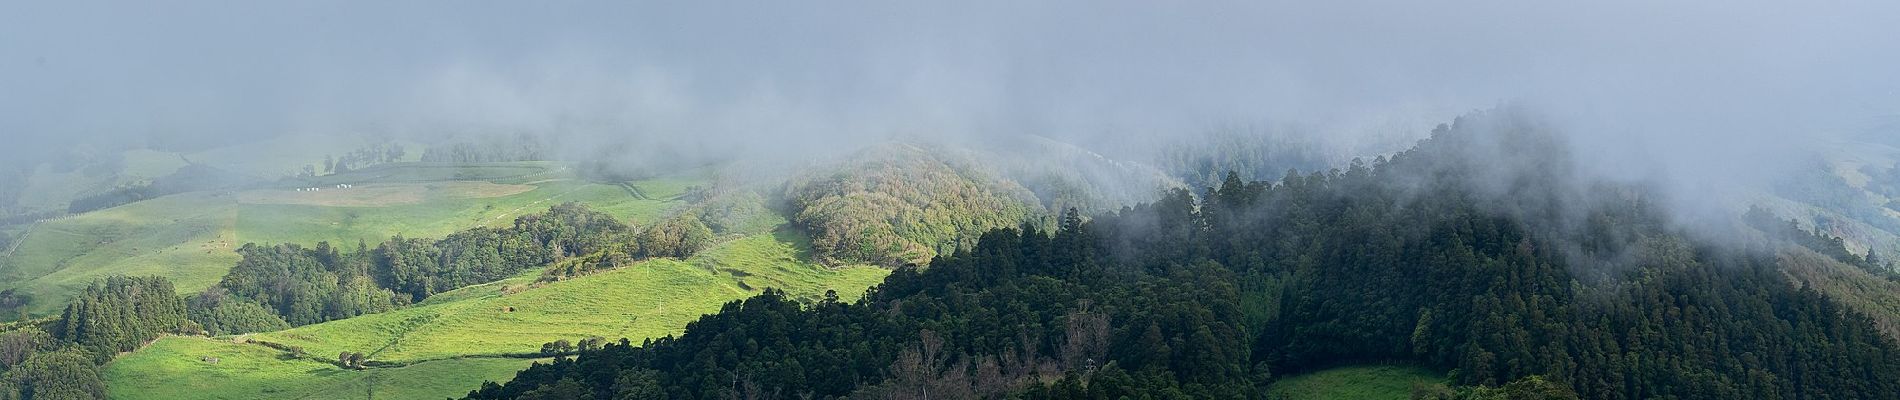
(1478, 252)
(898, 204)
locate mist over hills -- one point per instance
(1469, 199)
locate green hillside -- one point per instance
(649, 299)
(181, 368)
(188, 238)
(50, 189)
(191, 237)
(431, 344)
(900, 204)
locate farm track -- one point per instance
(22, 239)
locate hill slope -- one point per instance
(650, 299)
(899, 204)
(192, 237)
(183, 368)
(453, 341)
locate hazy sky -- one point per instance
(1642, 83)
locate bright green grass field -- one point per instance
(191, 238)
(650, 299)
(185, 237)
(1353, 383)
(174, 368)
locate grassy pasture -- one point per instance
(650, 299)
(177, 368)
(192, 237)
(189, 238)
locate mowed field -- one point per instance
(181, 368)
(1368, 382)
(191, 238)
(649, 299)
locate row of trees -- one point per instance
(378, 153)
(522, 147)
(564, 347)
(1474, 253)
(310, 285)
(189, 178)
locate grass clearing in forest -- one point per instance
(1364, 382)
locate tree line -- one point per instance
(498, 148)
(378, 153)
(189, 178)
(323, 283)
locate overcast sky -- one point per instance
(1699, 88)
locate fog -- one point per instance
(1700, 97)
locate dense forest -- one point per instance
(1477, 252)
(60, 358)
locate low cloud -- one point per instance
(1700, 98)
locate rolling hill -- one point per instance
(191, 237)
(649, 299)
(206, 368)
(456, 340)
